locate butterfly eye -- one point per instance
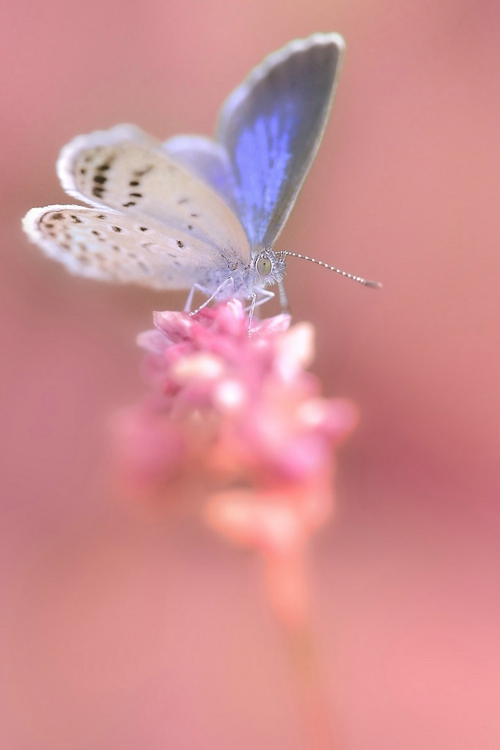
(264, 266)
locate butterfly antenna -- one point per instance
(365, 282)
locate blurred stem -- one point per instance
(288, 592)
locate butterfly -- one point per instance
(195, 212)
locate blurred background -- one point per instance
(121, 631)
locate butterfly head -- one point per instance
(265, 268)
(268, 267)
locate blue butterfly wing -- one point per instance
(271, 127)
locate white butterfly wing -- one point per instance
(175, 225)
(107, 245)
(125, 169)
(206, 159)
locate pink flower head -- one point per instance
(237, 411)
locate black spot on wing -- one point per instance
(99, 177)
(141, 172)
(135, 183)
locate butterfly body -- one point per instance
(195, 212)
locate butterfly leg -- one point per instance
(251, 309)
(283, 297)
(189, 301)
(258, 298)
(227, 284)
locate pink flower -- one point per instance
(234, 418)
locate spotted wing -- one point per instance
(111, 246)
(271, 127)
(126, 170)
(207, 159)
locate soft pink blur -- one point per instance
(120, 632)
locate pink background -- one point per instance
(119, 631)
